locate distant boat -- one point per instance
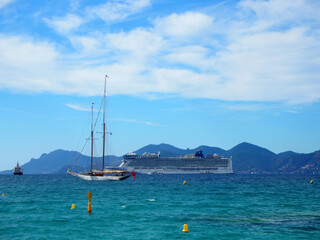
(103, 174)
(17, 170)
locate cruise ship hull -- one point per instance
(145, 165)
(180, 171)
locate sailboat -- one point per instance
(103, 174)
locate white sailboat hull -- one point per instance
(100, 178)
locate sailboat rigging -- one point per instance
(104, 174)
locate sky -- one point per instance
(186, 73)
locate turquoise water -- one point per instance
(157, 207)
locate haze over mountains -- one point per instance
(246, 158)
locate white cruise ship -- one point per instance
(151, 163)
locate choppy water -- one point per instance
(156, 207)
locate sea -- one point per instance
(158, 206)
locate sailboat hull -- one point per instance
(100, 178)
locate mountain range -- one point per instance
(246, 158)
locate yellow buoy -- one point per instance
(184, 183)
(185, 228)
(73, 206)
(3, 194)
(311, 182)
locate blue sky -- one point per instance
(186, 73)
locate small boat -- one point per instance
(17, 170)
(103, 174)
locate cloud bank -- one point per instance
(256, 51)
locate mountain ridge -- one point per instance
(246, 158)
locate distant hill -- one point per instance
(246, 158)
(52, 162)
(59, 161)
(167, 150)
(251, 158)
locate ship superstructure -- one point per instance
(152, 163)
(17, 170)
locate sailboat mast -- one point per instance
(92, 137)
(104, 121)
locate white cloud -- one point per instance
(189, 24)
(139, 42)
(278, 11)
(66, 24)
(23, 52)
(78, 107)
(3, 3)
(272, 66)
(25, 64)
(293, 111)
(246, 107)
(110, 11)
(181, 81)
(118, 10)
(137, 121)
(195, 56)
(86, 45)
